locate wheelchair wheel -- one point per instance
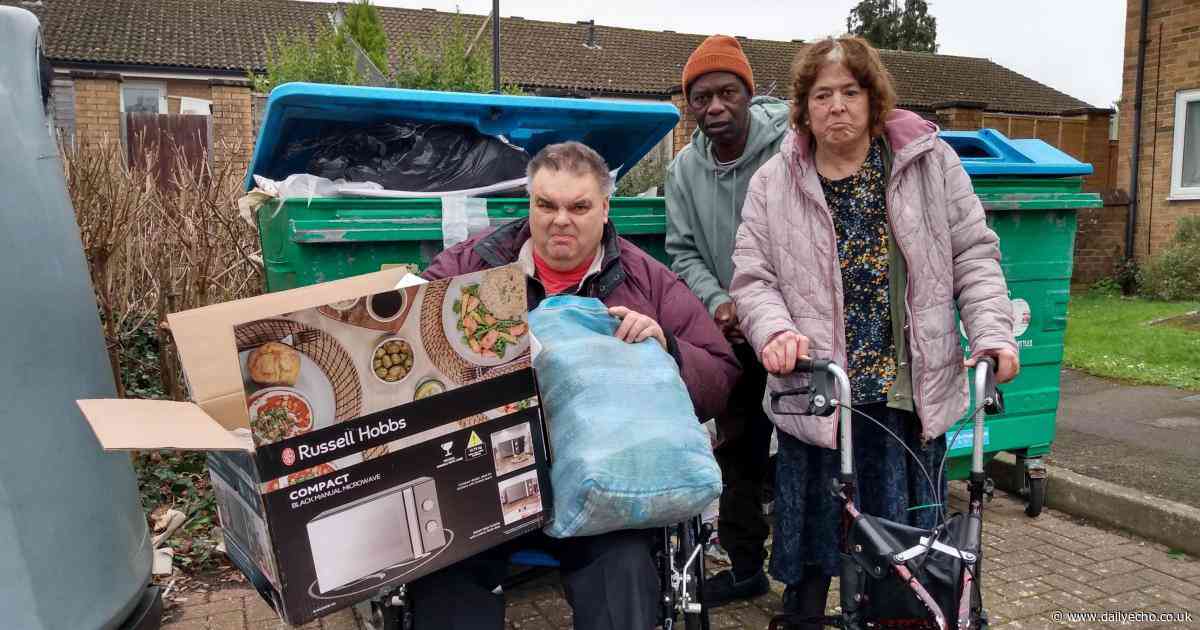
(389, 611)
(387, 617)
(688, 540)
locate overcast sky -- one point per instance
(1074, 46)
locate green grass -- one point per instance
(1110, 336)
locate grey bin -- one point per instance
(74, 548)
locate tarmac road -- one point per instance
(1145, 438)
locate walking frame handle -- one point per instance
(820, 390)
(988, 400)
(828, 390)
(805, 365)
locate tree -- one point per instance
(445, 60)
(888, 25)
(449, 61)
(327, 57)
(874, 21)
(363, 24)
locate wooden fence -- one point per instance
(162, 136)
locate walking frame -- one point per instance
(894, 575)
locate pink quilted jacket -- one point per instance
(786, 275)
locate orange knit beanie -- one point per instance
(719, 53)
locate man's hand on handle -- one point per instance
(727, 320)
(780, 354)
(636, 327)
(1008, 365)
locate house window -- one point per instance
(143, 98)
(1185, 168)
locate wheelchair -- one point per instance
(678, 554)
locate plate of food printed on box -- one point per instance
(484, 316)
(289, 388)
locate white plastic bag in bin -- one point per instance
(462, 217)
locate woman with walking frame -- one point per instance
(860, 242)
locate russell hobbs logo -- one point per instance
(348, 438)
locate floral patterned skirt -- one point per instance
(888, 483)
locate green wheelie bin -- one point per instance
(1031, 192)
(328, 238)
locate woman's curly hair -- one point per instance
(861, 59)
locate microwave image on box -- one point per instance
(376, 532)
(520, 497)
(511, 449)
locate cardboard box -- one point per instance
(361, 434)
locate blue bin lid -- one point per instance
(989, 152)
(620, 131)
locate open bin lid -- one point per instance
(990, 153)
(620, 131)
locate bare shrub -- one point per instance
(158, 247)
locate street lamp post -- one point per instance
(496, 46)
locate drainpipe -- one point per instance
(1134, 162)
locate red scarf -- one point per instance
(559, 281)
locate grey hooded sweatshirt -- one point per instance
(704, 202)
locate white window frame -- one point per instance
(1178, 190)
(160, 86)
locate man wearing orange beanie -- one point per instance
(705, 187)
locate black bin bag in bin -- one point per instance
(411, 156)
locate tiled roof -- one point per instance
(231, 35)
(200, 34)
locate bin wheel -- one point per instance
(1037, 495)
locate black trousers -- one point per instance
(610, 580)
(741, 525)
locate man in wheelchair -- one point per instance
(567, 245)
